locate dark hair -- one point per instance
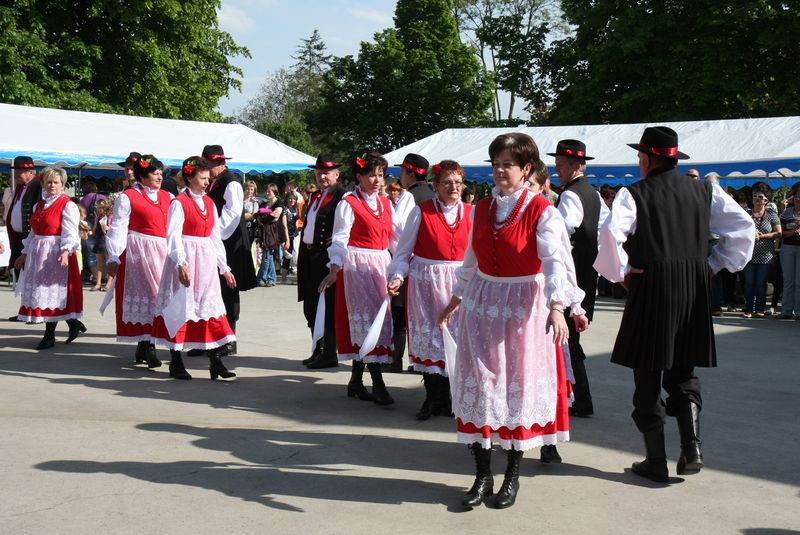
(522, 147)
(606, 190)
(368, 162)
(140, 170)
(193, 164)
(89, 185)
(445, 167)
(762, 187)
(466, 192)
(540, 173)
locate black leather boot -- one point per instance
(328, 358)
(430, 393)
(654, 467)
(141, 352)
(314, 354)
(49, 339)
(398, 350)
(484, 483)
(549, 454)
(76, 327)
(691, 459)
(379, 393)
(217, 368)
(176, 368)
(582, 406)
(442, 404)
(507, 494)
(152, 359)
(356, 388)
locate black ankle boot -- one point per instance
(217, 368)
(582, 406)
(176, 368)
(141, 352)
(508, 491)
(549, 454)
(152, 359)
(484, 483)
(314, 354)
(654, 467)
(379, 393)
(691, 459)
(76, 327)
(49, 339)
(355, 387)
(425, 411)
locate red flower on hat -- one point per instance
(436, 169)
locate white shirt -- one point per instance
(398, 269)
(311, 218)
(231, 214)
(117, 235)
(402, 209)
(343, 221)
(552, 247)
(70, 220)
(16, 210)
(728, 220)
(175, 220)
(571, 209)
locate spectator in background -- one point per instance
(768, 229)
(607, 193)
(291, 214)
(468, 196)
(269, 217)
(693, 174)
(395, 189)
(790, 255)
(101, 225)
(89, 202)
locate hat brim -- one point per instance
(337, 166)
(679, 156)
(571, 156)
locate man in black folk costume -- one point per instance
(656, 241)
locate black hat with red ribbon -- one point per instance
(571, 148)
(325, 161)
(660, 141)
(132, 158)
(23, 163)
(415, 163)
(214, 153)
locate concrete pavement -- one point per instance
(90, 443)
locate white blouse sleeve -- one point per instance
(117, 236)
(175, 220)
(555, 252)
(232, 211)
(343, 220)
(70, 219)
(612, 260)
(402, 211)
(398, 269)
(736, 232)
(219, 247)
(467, 270)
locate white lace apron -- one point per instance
(43, 282)
(144, 263)
(365, 291)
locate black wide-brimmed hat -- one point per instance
(571, 148)
(660, 141)
(415, 163)
(214, 153)
(325, 161)
(132, 158)
(23, 163)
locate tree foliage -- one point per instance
(159, 58)
(675, 60)
(415, 79)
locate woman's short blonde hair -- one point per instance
(51, 171)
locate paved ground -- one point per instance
(92, 444)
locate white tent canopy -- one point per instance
(754, 149)
(100, 140)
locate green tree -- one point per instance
(159, 58)
(678, 60)
(414, 80)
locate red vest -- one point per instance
(512, 253)
(148, 217)
(436, 240)
(370, 232)
(48, 222)
(195, 223)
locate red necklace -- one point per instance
(147, 197)
(510, 219)
(440, 212)
(203, 213)
(376, 214)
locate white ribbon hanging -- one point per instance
(20, 283)
(109, 296)
(450, 348)
(319, 322)
(175, 314)
(374, 332)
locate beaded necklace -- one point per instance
(377, 214)
(510, 218)
(203, 212)
(440, 213)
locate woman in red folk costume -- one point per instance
(359, 257)
(50, 282)
(508, 377)
(189, 309)
(430, 249)
(137, 247)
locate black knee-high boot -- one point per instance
(654, 467)
(356, 388)
(443, 405)
(49, 339)
(508, 491)
(379, 393)
(430, 395)
(76, 327)
(176, 367)
(691, 459)
(152, 359)
(141, 352)
(484, 483)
